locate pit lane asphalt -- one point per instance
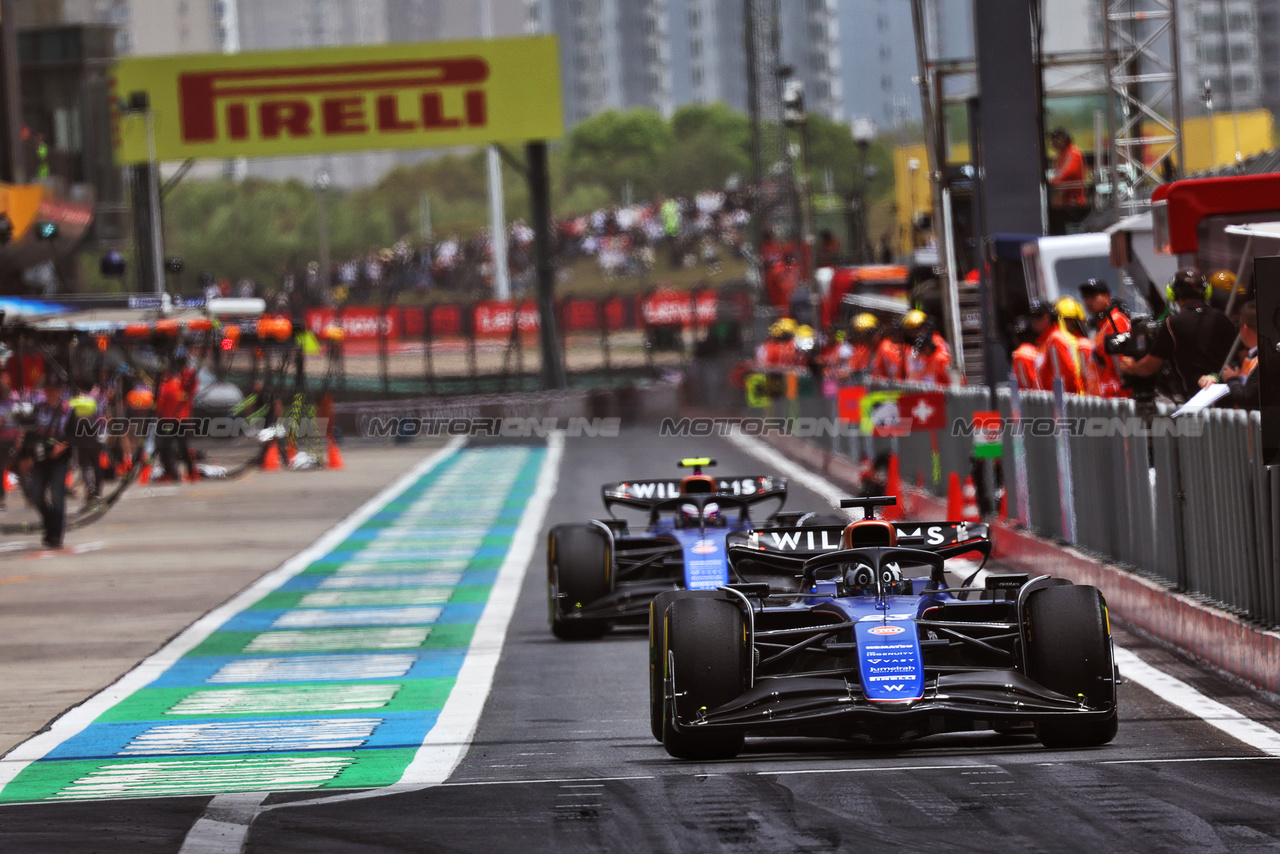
(563, 760)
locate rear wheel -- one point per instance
(707, 652)
(1069, 651)
(577, 575)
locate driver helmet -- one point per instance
(711, 513)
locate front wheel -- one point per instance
(577, 575)
(1069, 651)
(658, 651)
(707, 655)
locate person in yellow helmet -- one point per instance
(780, 350)
(927, 355)
(1071, 319)
(865, 326)
(1222, 280)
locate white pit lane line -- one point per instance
(1172, 690)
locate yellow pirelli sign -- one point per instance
(339, 99)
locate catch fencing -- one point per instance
(1186, 501)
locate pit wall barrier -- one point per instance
(1216, 636)
(1184, 502)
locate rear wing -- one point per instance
(947, 538)
(651, 494)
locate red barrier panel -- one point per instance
(580, 315)
(495, 318)
(359, 323)
(491, 318)
(671, 307)
(446, 320)
(413, 322)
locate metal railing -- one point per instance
(1186, 501)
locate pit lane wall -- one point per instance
(1220, 638)
(1182, 510)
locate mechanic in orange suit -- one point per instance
(1109, 319)
(1025, 355)
(1071, 319)
(864, 338)
(889, 361)
(1068, 172)
(1057, 351)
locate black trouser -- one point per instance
(89, 461)
(170, 449)
(48, 492)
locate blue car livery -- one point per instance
(602, 573)
(863, 631)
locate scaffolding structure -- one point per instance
(771, 159)
(1144, 98)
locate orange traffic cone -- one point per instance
(893, 486)
(271, 458)
(334, 460)
(955, 505)
(1004, 505)
(970, 513)
(144, 476)
(289, 453)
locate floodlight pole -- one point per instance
(497, 206)
(553, 375)
(322, 229)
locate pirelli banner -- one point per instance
(340, 99)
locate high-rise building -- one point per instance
(614, 54)
(284, 24)
(1220, 45)
(1268, 31)
(878, 62)
(810, 42)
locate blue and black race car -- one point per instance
(603, 573)
(855, 631)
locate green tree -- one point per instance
(711, 143)
(613, 148)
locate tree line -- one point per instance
(262, 229)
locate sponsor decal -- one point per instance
(341, 99)
(703, 547)
(887, 630)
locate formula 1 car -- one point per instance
(854, 632)
(603, 573)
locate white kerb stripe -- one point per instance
(1186, 697)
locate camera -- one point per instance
(1136, 343)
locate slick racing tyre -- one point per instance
(708, 653)
(657, 651)
(1069, 651)
(577, 575)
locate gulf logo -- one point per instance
(886, 630)
(703, 547)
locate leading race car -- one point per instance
(603, 573)
(855, 632)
